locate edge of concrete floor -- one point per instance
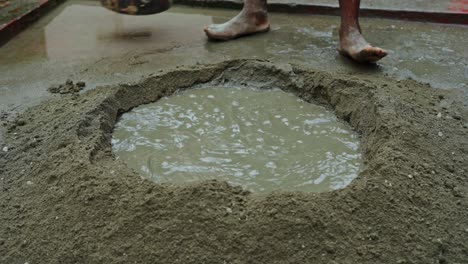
(11, 29)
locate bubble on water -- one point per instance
(200, 131)
(235, 128)
(238, 174)
(215, 160)
(271, 165)
(241, 151)
(320, 179)
(253, 173)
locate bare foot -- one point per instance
(245, 23)
(353, 44)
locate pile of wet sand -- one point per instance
(65, 199)
(67, 88)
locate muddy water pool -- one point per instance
(263, 140)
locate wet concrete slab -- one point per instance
(85, 42)
(16, 15)
(419, 5)
(444, 11)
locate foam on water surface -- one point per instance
(263, 140)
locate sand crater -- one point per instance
(61, 173)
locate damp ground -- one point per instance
(65, 198)
(83, 41)
(457, 6)
(262, 140)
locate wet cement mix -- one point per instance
(64, 198)
(263, 140)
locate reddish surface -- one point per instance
(12, 22)
(13, 27)
(459, 6)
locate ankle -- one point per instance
(258, 16)
(350, 27)
(261, 15)
(349, 31)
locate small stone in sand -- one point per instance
(81, 84)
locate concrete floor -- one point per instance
(19, 7)
(83, 41)
(458, 6)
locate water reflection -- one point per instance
(92, 31)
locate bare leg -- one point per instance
(252, 19)
(352, 43)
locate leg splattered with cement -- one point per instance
(352, 43)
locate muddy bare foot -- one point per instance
(245, 23)
(353, 44)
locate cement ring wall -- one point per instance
(65, 199)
